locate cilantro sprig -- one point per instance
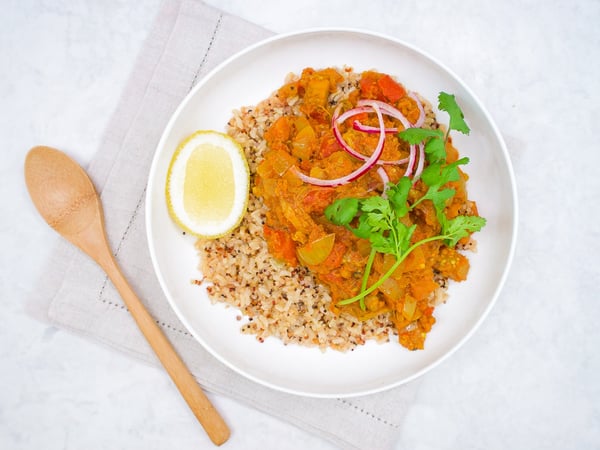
(436, 176)
(382, 220)
(377, 221)
(435, 140)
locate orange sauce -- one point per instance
(297, 231)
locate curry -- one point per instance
(296, 228)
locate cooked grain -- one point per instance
(276, 300)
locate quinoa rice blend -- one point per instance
(277, 299)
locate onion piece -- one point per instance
(411, 161)
(387, 109)
(370, 162)
(421, 120)
(384, 179)
(421, 163)
(396, 113)
(351, 112)
(369, 129)
(336, 120)
(338, 134)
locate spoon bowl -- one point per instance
(66, 198)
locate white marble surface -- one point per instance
(529, 378)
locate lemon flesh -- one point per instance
(207, 184)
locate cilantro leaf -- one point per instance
(363, 230)
(440, 197)
(436, 175)
(431, 175)
(460, 227)
(375, 203)
(404, 236)
(398, 196)
(435, 150)
(380, 243)
(435, 147)
(415, 136)
(377, 221)
(342, 211)
(447, 102)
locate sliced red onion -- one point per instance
(411, 161)
(420, 164)
(336, 120)
(396, 113)
(391, 111)
(351, 112)
(387, 109)
(384, 179)
(370, 162)
(369, 129)
(421, 120)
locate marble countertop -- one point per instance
(529, 377)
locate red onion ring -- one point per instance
(370, 162)
(421, 120)
(387, 109)
(369, 129)
(420, 164)
(380, 108)
(394, 112)
(411, 161)
(351, 112)
(336, 120)
(384, 179)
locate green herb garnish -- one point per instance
(383, 219)
(435, 140)
(447, 102)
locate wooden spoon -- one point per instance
(65, 197)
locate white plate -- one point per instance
(253, 75)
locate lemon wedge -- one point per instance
(207, 184)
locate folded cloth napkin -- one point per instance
(187, 40)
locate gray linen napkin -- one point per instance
(187, 40)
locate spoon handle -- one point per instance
(207, 415)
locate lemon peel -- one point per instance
(208, 183)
